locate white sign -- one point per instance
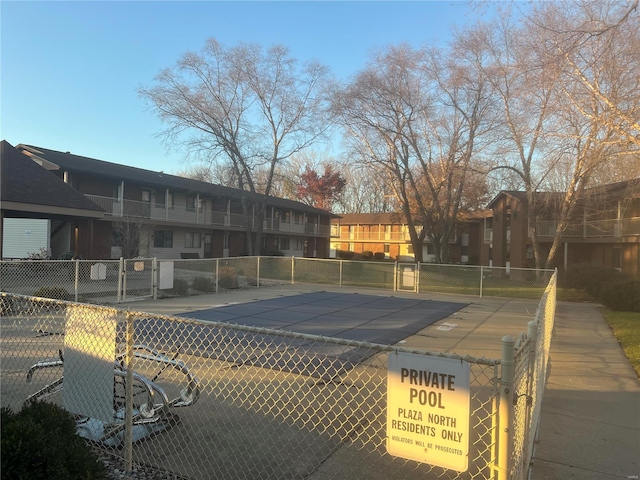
(89, 353)
(428, 410)
(166, 275)
(98, 271)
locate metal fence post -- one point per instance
(124, 280)
(532, 333)
(128, 412)
(120, 275)
(418, 278)
(154, 278)
(258, 272)
(494, 428)
(217, 276)
(481, 279)
(340, 276)
(77, 279)
(293, 270)
(395, 276)
(506, 406)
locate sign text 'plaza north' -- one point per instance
(428, 409)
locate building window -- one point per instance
(161, 199)
(287, 217)
(163, 239)
(191, 204)
(283, 244)
(225, 241)
(192, 240)
(146, 196)
(386, 248)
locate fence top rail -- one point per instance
(261, 330)
(485, 267)
(382, 262)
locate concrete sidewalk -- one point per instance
(590, 426)
(590, 420)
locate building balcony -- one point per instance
(612, 228)
(384, 237)
(133, 210)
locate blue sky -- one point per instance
(70, 70)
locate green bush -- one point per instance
(40, 442)
(227, 277)
(622, 296)
(591, 278)
(180, 287)
(379, 255)
(58, 293)
(203, 284)
(367, 255)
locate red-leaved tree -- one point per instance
(320, 191)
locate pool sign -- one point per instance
(428, 410)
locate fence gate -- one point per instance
(407, 277)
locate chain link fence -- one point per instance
(531, 357)
(483, 281)
(108, 281)
(212, 400)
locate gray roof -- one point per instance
(26, 182)
(370, 219)
(115, 171)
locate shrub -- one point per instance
(367, 255)
(41, 442)
(345, 254)
(42, 254)
(227, 277)
(203, 284)
(623, 296)
(180, 287)
(591, 278)
(379, 255)
(67, 255)
(59, 293)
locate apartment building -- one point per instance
(154, 214)
(388, 234)
(604, 229)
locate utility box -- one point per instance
(23, 237)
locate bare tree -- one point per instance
(416, 115)
(200, 171)
(559, 132)
(367, 190)
(243, 107)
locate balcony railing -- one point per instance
(373, 236)
(133, 209)
(612, 228)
